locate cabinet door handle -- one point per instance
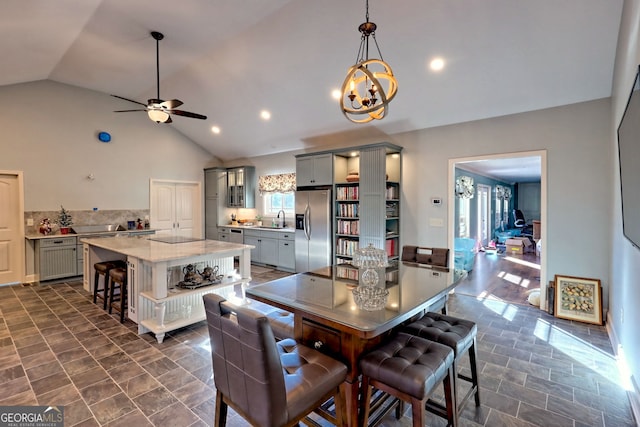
(286, 244)
(57, 242)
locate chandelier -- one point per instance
(370, 84)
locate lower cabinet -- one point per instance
(272, 248)
(56, 258)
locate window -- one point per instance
(464, 218)
(274, 202)
(278, 193)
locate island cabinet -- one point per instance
(158, 300)
(314, 170)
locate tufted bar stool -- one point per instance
(409, 368)
(118, 289)
(102, 269)
(460, 336)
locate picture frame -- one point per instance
(578, 298)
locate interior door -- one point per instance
(185, 215)
(176, 208)
(11, 229)
(162, 207)
(484, 214)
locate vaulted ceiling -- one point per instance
(230, 59)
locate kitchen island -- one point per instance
(154, 270)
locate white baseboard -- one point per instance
(634, 395)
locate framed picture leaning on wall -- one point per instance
(578, 298)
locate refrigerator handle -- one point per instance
(307, 223)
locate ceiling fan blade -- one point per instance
(171, 104)
(187, 114)
(130, 100)
(126, 111)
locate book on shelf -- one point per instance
(347, 193)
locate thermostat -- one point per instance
(436, 201)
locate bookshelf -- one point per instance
(367, 200)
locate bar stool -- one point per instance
(409, 368)
(118, 288)
(102, 269)
(460, 336)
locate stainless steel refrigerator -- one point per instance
(313, 229)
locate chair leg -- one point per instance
(450, 397)
(96, 279)
(123, 301)
(474, 370)
(221, 411)
(106, 289)
(417, 412)
(112, 291)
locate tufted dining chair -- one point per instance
(266, 382)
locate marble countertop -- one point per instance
(255, 227)
(143, 248)
(58, 235)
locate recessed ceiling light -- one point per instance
(265, 115)
(436, 64)
(215, 129)
(354, 154)
(336, 94)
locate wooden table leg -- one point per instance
(351, 396)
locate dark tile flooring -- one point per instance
(58, 348)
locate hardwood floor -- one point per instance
(507, 277)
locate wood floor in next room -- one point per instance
(502, 276)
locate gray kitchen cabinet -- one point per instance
(56, 258)
(212, 190)
(241, 187)
(286, 252)
(272, 248)
(314, 170)
(265, 244)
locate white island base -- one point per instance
(154, 301)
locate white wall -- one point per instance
(578, 158)
(624, 292)
(49, 132)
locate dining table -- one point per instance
(340, 314)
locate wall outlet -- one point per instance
(29, 221)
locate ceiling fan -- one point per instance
(160, 111)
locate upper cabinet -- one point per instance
(241, 187)
(314, 170)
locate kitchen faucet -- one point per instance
(281, 211)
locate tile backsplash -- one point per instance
(87, 217)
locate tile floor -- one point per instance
(58, 348)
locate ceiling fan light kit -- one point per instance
(157, 109)
(370, 84)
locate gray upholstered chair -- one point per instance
(268, 383)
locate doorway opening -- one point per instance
(503, 183)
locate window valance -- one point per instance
(281, 183)
(464, 187)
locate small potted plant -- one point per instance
(64, 220)
(259, 220)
